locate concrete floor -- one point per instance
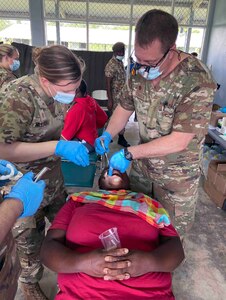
(203, 274)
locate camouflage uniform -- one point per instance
(181, 103)
(115, 70)
(9, 268)
(6, 76)
(27, 114)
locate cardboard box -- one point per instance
(217, 175)
(215, 116)
(216, 196)
(215, 167)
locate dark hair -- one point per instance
(156, 24)
(118, 47)
(57, 63)
(83, 88)
(7, 49)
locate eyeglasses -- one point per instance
(137, 65)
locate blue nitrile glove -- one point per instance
(222, 109)
(106, 137)
(118, 162)
(30, 193)
(73, 151)
(7, 169)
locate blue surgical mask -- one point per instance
(64, 98)
(150, 74)
(15, 65)
(119, 57)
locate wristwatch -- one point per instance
(128, 155)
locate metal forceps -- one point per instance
(104, 157)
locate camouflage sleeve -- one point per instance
(126, 97)
(5, 78)
(16, 111)
(193, 113)
(109, 69)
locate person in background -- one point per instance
(139, 269)
(83, 119)
(115, 75)
(172, 93)
(23, 200)
(31, 118)
(9, 62)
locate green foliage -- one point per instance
(4, 24)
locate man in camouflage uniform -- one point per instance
(41, 119)
(115, 79)
(172, 94)
(24, 198)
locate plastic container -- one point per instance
(75, 175)
(110, 239)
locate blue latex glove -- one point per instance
(118, 162)
(6, 169)
(73, 151)
(223, 109)
(30, 193)
(106, 137)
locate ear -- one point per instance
(173, 47)
(44, 81)
(5, 59)
(171, 53)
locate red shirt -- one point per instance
(83, 119)
(83, 224)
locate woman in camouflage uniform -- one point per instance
(9, 62)
(31, 117)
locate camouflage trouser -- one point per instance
(29, 234)
(9, 269)
(178, 201)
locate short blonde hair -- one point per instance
(7, 50)
(57, 63)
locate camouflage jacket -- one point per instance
(9, 267)
(6, 76)
(28, 115)
(182, 102)
(115, 70)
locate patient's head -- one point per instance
(118, 181)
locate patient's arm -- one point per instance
(61, 259)
(165, 258)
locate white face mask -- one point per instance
(119, 57)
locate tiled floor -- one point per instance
(203, 275)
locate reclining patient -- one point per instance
(140, 269)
